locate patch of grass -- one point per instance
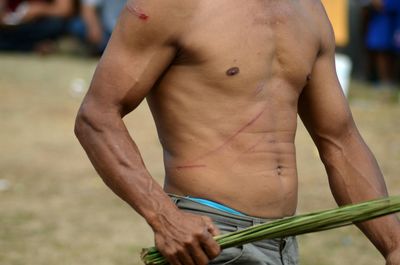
(361, 91)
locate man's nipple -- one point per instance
(232, 71)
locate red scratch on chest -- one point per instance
(137, 13)
(259, 88)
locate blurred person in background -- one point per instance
(96, 22)
(380, 39)
(396, 40)
(32, 24)
(397, 30)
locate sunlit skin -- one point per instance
(225, 81)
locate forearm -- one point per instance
(178, 235)
(354, 176)
(117, 160)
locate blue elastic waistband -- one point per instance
(216, 205)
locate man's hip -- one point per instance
(280, 251)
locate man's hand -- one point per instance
(187, 240)
(393, 258)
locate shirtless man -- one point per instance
(225, 81)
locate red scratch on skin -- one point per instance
(231, 138)
(252, 147)
(137, 13)
(259, 88)
(247, 124)
(190, 166)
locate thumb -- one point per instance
(211, 228)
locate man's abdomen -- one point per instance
(256, 177)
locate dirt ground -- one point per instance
(55, 210)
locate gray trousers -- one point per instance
(279, 251)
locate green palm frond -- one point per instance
(297, 225)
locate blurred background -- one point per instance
(54, 209)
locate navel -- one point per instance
(232, 71)
(279, 170)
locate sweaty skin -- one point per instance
(225, 81)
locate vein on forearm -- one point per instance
(117, 160)
(354, 176)
(353, 172)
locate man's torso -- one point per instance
(226, 108)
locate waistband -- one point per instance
(189, 205)
(215, 205)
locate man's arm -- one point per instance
(353, 172)
(140, 50)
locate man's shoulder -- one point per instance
(317, 12)
(165, 13)
(315, 8)
(155, 21)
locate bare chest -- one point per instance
(253, 41)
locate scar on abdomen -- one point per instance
(232, 137)
(136, 12)
(259, 88)
(190, 166)
(232, 71)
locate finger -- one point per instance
(170, 256)
(185, 257)
(214, 231)
(173, 260)
(211, 247)
(198, 255)
(211, 227)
